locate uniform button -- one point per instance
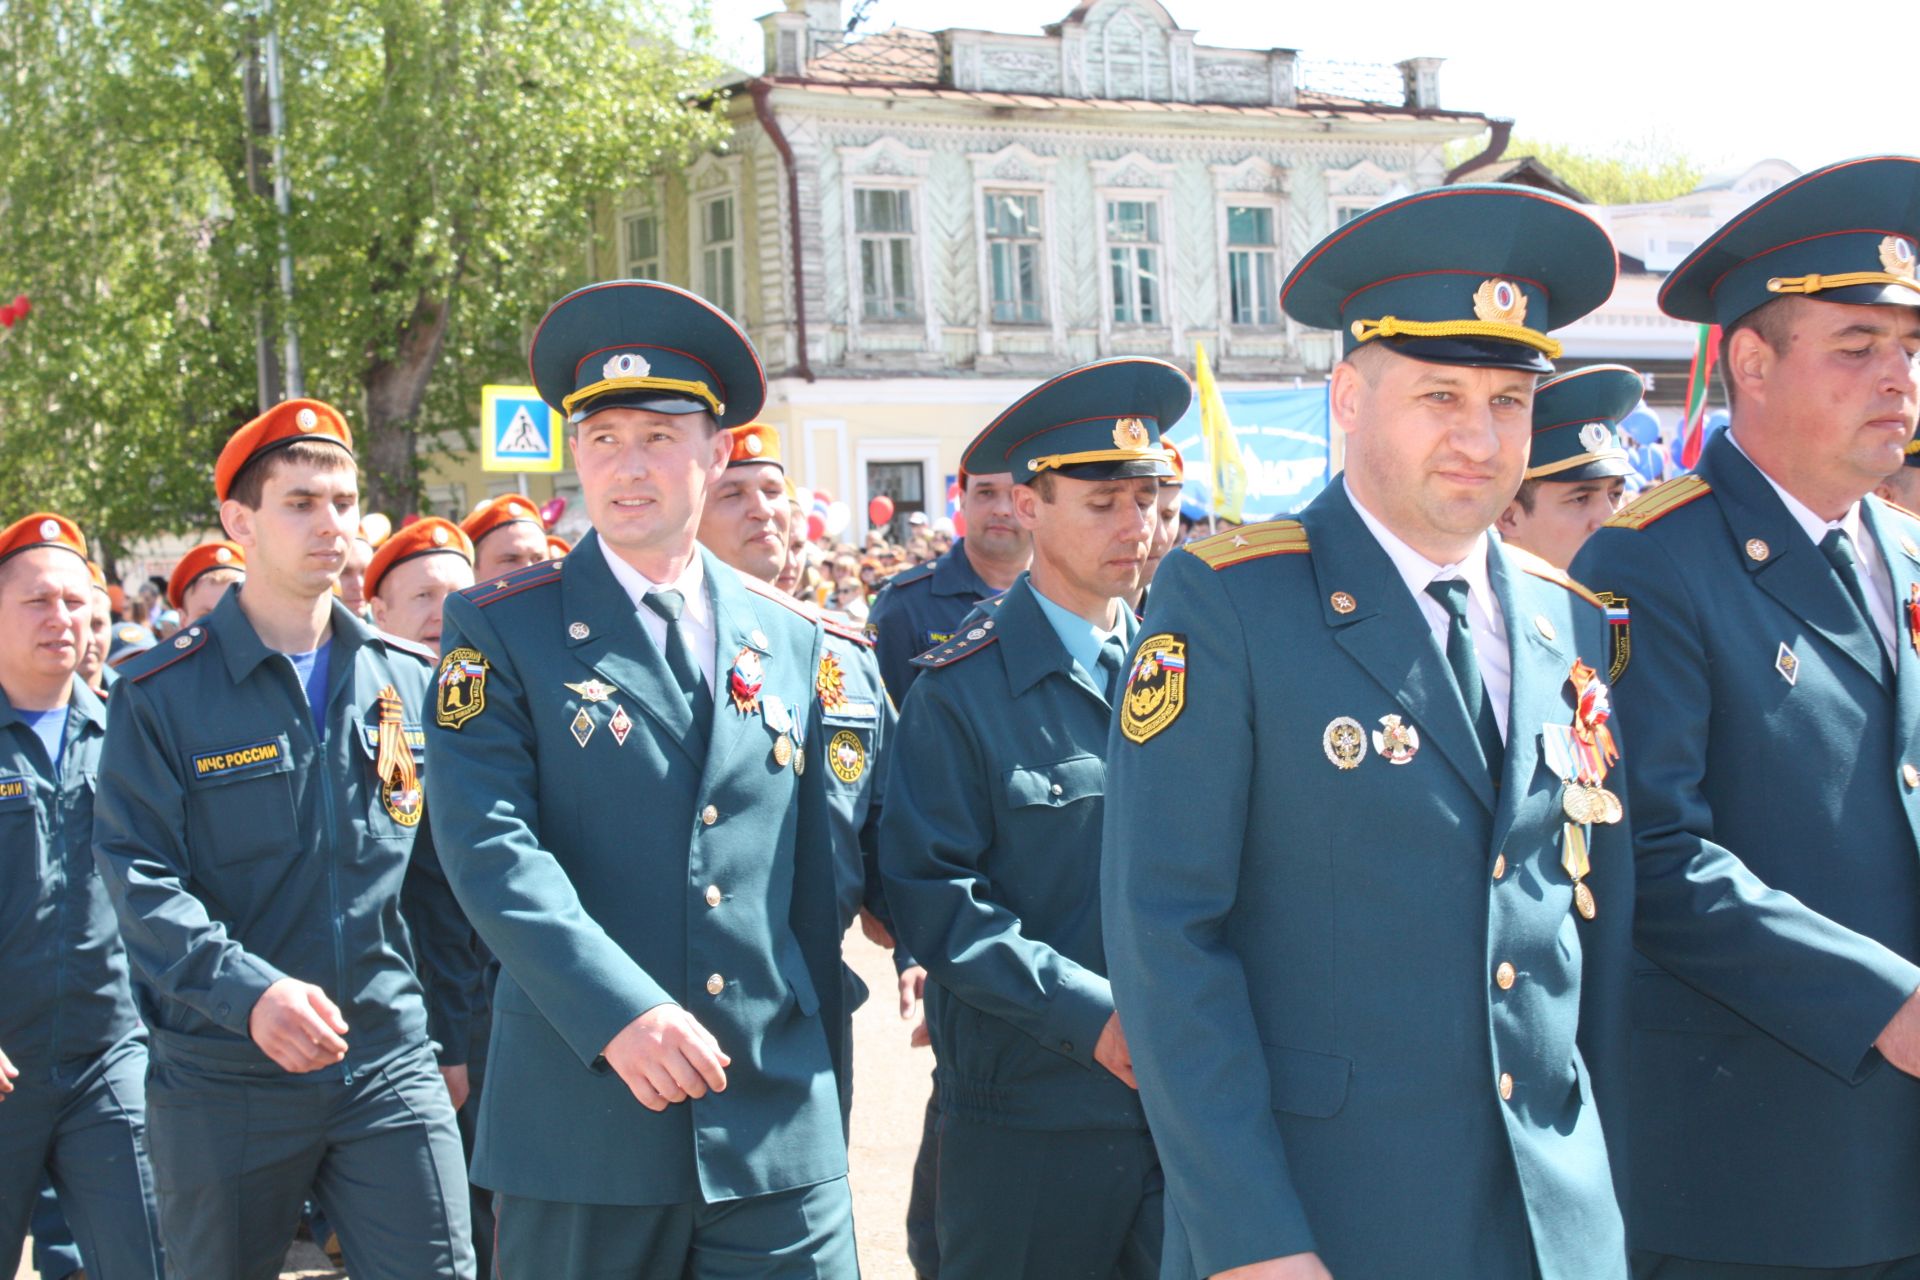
(1066, 1046)
(1910, 775)
(716, 984)
(1506, 1087)
(1499, 866)
(1057, 788)
(709, 816)
(713, 895)
(1504, 976)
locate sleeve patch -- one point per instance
(1619, 634)
(460, 690)
(1156, 687)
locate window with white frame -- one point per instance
(1133, 261)
(1345, 211)
(641, 244)
(1014, 248)
(883, 225)
(1253, 265)
(719, 246)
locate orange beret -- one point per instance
(494, 512)
(1179, 464)
(755, 442)
(279, 426)
(204, 558)
(98, 575)
(557, 547)
(41, 529)
(425, 537)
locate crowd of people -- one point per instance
(1470, 875)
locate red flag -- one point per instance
(1699, 383)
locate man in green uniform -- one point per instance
(625, 790)
(259, 797)
(1577, 470)
(991, 849)
(1368, 896)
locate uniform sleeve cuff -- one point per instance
(238, 990)
(1081, 1006)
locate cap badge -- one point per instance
(626, 365)
(1596, 437)
(221, 555)
(752, 445)
(439, 537)
(1130, 434)
(50, 530)
(1500, 302)
(1896, 255)
(306, 419)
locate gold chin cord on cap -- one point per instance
(696, 390)
(1056, 460)
(1395, 327)
(1814, 283)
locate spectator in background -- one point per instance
(353, 573)
(849, 593)
(1902, 488)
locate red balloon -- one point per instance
(821, 495)
(959, 524)
(816, 527)
(880, 510)
(21, 306)
(7, 316)
(409, 518)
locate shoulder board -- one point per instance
(1528, 562)
(1896, 507)
(400, 644)
(972, 640)
(847, 629)
(1661, 500)
(1250, 542)
(915, 574)
(512, 584)
(165, 654)
(766, 591)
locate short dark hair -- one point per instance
(1042, 484)
(1528, 494)
(251, 483)
(1772, 321)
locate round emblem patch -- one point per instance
(403, 805)
(306, 419)
(1156, 687)
(847, 756)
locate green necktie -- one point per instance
(686, 672)
(1452, 595)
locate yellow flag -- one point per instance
(1223, 447)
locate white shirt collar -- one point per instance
(1417, 571)
(1803, 515)
(691, 584)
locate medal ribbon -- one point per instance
(394, 760)
(1593, 745)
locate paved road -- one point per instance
(890, 1092)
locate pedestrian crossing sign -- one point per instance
(518, 432)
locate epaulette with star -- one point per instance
(972, 640)
(164, 655)
(846, 628)
(1250, 542)
(767, 591)
(1527, 562)
(1662, 500)
(408, 647)
(915, 574)
(524, 578)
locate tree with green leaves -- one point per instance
(1631, 171)
(444, 157)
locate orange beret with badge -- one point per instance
(284, 424)
(41, 529)
(495, 513)
(425, 537)
(557, 547)
(203, 559)
(755, 442)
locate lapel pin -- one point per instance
(1396, 741)
(582, 726)
(1787, 665)
(759, 638)
(620, 725)
(1758, 551)
(1345, 742)
(1342, 602)
(744, 681)
(578, 630)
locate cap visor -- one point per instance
(1473, 353)
(640, 398)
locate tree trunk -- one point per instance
(395, 387)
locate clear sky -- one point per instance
(1726, 85)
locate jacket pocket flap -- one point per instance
(1307, 1083)
(1056, 784)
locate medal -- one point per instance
(1573, 858)
(1577, 803)
(782, 750)
(1583, 901)
(774, 711)
(1592, 747)
(1396, 741)
(1913, 616)
(744, 681)
(582, 726)
(620, 726)
(1345, 743)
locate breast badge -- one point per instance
(1396, 740)
(1156, 687)
(1345, 743)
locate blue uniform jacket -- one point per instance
(990, 850)
(1779, 893)
(240, 850)
(66, 971)
(612, 867)
(919, 608)
(1307, 958)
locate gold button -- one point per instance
(713, 895)
(1910, 775)
(1506, 1086)
(716, 984)
(1504, 975)
(1499, 866)
(709, 815)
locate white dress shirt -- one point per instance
(1874, 578)
(696, 620)
(1484, 621)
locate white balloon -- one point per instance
(839, 515)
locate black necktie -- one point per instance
(1452, 595)
(686, 672)
(1839, 550)
(1112, 662)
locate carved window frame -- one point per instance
(1014, 168)
(714, 178)
(887, 163)
(1254, 182)
(644, 200)
(1136, 177)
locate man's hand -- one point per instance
(1295, 1266)
(458, 1084)
(913, 992)
(297, 1026)
(876, 932)
(1900, 1042)
(666, 1056)
(8, 1072)
(1111, 1052)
